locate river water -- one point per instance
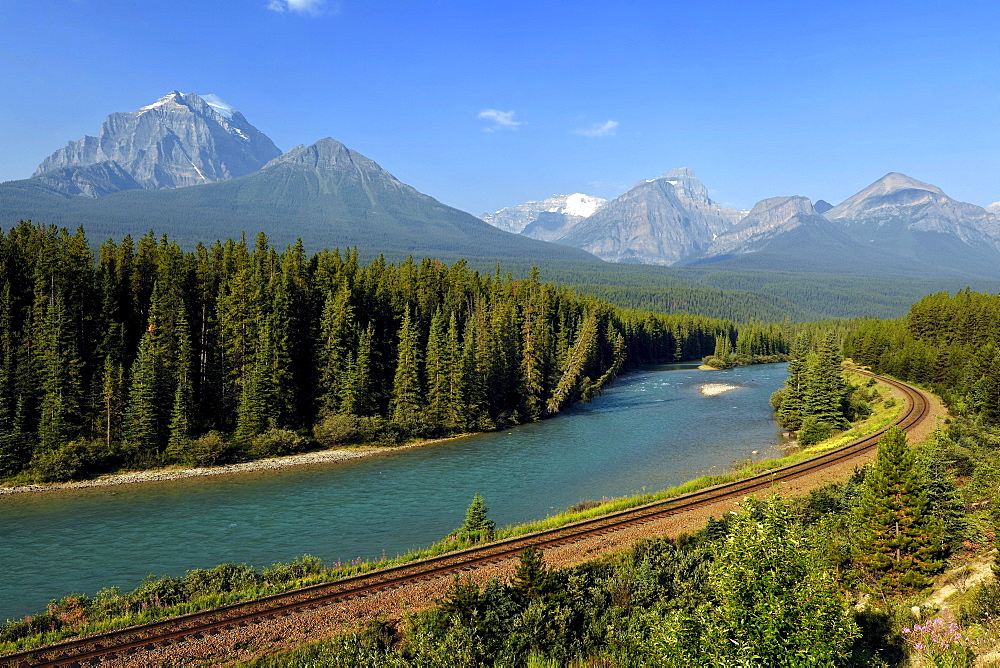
(652, 429)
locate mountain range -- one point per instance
(193, 167)
(896, 225)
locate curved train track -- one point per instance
(93, 649)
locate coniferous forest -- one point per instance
(143, 354)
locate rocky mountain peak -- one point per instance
(891, 196)
(181, 139)
(994, 208)
(329, 155)
(898, 205)
(687, 185)
(547, 218)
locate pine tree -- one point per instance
(456, 413)
(791, 410)
(478, 526)
(438, 362)
(531, 578)
(534, 358)
(337, 334)
(257, 411)
(143, 420)
(356, 389)
(824, 390)
(112, 400)
(60, 367)
(899, 540)
(406, 402)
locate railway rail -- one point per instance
(94, 649)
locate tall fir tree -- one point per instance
(407, 400)
(144, 417)
(898, 540)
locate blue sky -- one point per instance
(484, 105)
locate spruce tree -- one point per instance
(438, 362)
(336, 336)
(456, 413)
(356, 389)
(478, 525)
(899, 540)
(534, 358)
(143, 420)
(407, 401)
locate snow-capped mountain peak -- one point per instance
(582, 205)
(181, 139)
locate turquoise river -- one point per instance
(652, 429)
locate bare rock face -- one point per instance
(768, 219)
(546, 219)
(180, 140)
(97, 180)
(658, 221)
(897, 203)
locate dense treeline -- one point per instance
(951, 343)
(147, 354)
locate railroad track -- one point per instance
(94, 649)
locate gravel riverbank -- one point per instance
(159, 475)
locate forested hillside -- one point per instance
(147, 354)
(951, 343)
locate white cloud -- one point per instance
(605, 129)
(500, 119)
(313, 7)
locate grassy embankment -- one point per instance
(77, 615)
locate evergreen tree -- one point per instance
(791, 410)
(337, 334)
(407, 401)
(143, 420)
(531, 578)
(438, 363)
(60, 368)
(112, 400)
(478, 525)
(356, 391)
(534, 358)
(456, 412)
(898, 539)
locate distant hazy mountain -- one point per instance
(822, 206)
(179, 140)
(325, 194)
(657, 221)
(767, 221)
(547, 218)
(897, 224)
(994, 208)
(896, 206)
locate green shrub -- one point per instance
(219, 580)
(296, 570)
(74, 460)
(208, 450)
(983, 603)
(336, 430)
(378, 430)
(813, 431)
(277, 442)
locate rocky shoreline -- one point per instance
(160, 475)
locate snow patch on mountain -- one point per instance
(219, 105)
